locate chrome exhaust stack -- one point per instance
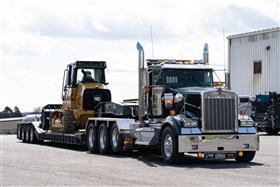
(141, 77)
(205, 54)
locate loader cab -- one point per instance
(82, 72)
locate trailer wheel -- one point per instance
(103, 139)
(169, 146)
(247, 156)
(33, 138)
(31, 134)
(23, 134)
(92, 139)
(27, 134)
(116, 139)
(19, 132)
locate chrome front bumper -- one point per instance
(218, 143)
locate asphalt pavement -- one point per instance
(52, 164)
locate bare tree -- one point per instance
(37, 109)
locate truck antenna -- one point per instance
(224, 50)
(152, 40)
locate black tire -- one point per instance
(116, 139)
(27, 134)
(169, 146)
(103, 139)
(247, 156)
(33, 138)
(23, 134)
(19, 132)
(92, 139)
(22, 131)
(272, 131)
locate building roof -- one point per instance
(254, 32)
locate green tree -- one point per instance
(17, 112)
(7, 112)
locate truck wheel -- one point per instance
(116, 139)
(103, 139)
(272, 132)
(92, 139)
(247, 156)
(169, 146)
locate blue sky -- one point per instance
(39, 38)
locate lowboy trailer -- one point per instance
(178, 111)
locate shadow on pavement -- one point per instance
(153, 160)
(188, 162)
(80, 148)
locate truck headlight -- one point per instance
(252, 98)
(245, 121)
(178, 98)
(189, 122)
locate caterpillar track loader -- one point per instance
(83, 87)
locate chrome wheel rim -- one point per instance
(102, 138)
(90, 137)
(168, 145)
(115, 137)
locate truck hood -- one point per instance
(195, 90)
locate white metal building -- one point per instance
(254, 61)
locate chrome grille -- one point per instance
(219, 112)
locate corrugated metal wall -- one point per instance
(243, 51)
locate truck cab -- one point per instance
(176, 81)
(183, 113)
(178, 111)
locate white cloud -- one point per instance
(38, 39)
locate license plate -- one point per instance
(214, 156)
(220, 156)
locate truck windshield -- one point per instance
(90, 75)
(178, 78)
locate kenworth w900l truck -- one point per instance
(178, 111)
